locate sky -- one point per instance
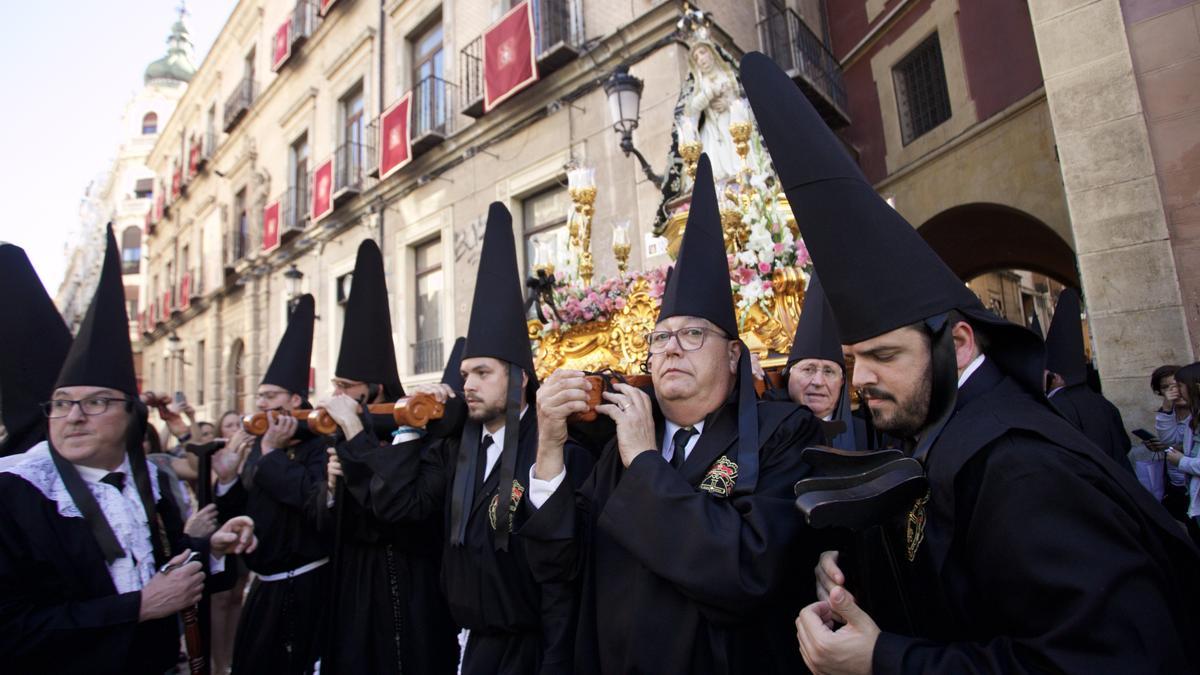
(68, 70)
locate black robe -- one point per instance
(678, 575)
(1039, 554)
(59, 609)
(518, 626)
(1097, 418)
(387, 614)
(279, 627)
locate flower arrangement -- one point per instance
(576, 304)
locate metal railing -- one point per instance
(427, 356)
(433, 111)
(306, 16)
(209, 146)
(470, 78)
(296, 208)
(556, 22)
(237, 244)
(351, 164)
(239, 102)
(801, 53)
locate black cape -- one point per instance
(281, 613)
(1097, 418)
(388, 614)
(1039, 554)
(59, 609)
(678, 576)
(518, 625)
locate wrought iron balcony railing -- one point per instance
(785, 38)
(296, 208)
(427, 356)
(239, 102)
(352, 165)
(433, 113)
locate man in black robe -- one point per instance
(387, 614)
(684, 536)
(279, 628)
(815, 377)
(477, 476)
(88, 521)
(1067, 384)
(1032, 550)
(35, 340)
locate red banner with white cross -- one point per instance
(509, 61)
(395, 125)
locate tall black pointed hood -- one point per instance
(877, 271)
(290, 365)
(816, 334)
(452, 374)
(498, 329)
(1064, 341)
(34, 349)
(367, 353)
(699, 284)
(101, 355)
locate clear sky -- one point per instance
(68, 69)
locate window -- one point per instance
(922, 98)
(545, 221)
(427, 352)
(428, 77)
(131, 302)
(210, 131)
(200, 372)
(143, 188)
(248, 66)
(352, 155)
(149, 124)
(241, 231)
(297, 195)
(131, 249)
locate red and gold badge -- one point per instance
(518, 491)
(721, 477)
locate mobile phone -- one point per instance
(1144, 435)
(179, 398)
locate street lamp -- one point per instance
(292, 277)
(624, 93)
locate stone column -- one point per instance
(1126, 261)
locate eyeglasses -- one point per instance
(690, 338)
(810, 371)
(61, 407)
(268, 395)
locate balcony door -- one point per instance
(429, 80)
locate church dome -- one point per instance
(177, 63)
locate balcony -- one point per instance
(306, 16)
(558, 40)
(239, 102)
(236, 245)
(785, 37)
(432, 113)
(352, 166)
(295, 210)
(427, 356)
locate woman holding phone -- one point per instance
(1181, 436)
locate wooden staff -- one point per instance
(258, 423)
(411, 411)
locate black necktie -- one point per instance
(481, 469)
(115, 479)
(680, 441)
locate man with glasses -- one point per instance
(94, 565)
(279, 627)
(684, 537)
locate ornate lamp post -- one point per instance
(624, 93)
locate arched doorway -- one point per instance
(236, 376)
(977, 238)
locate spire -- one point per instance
(177, 63)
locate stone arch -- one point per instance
(236, 376)
(982, 237)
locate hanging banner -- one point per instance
(322, 190)
(176, 181)
(396, 128)
(282, 48)
(185, 291)
(193, 158)
(325, 5)
(509, 61)
(270, 239)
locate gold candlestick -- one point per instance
(585, 199)
(620, 245)
(690, 152)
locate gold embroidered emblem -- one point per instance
(721, 477)
(518, 491)
(915, 526)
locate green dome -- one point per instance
(177, 64)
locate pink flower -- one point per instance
(764, 268)
(779, 247)
(743, 275)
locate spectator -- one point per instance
(1181, 437)
(1171, 414)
